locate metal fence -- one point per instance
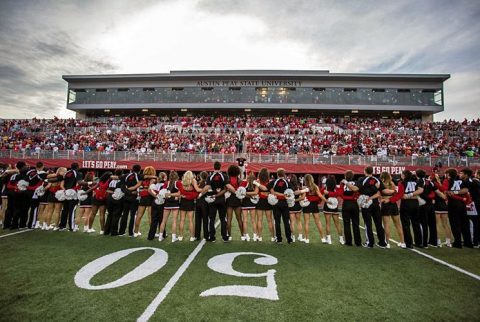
(449, 161)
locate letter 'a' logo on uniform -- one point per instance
(456, 185)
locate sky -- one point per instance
(42, 40)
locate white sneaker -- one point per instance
(135, 235)
(242, 238)
(388, 246)
(192, 239)
(230, 238)
(259, 239)
(75, 228)
(247, 237)
(85, 229)
(448, 242)
(324, 241)
(342, 240)
(37, 225)
(306, 241)
(255, 237)
(157, 235)
(160, 238)
(174, 238)
(55, 228)
(401, 245)
(293, 238)
(273, 239)
(91, 230)
(300, 237)
(46, 228)
(329, 239)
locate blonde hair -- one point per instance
(386, 178)
(310, 183)
(61, 171)
(187, 178)
(149, 171)
(162, 176)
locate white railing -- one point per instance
(447, 161)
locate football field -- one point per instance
(64, 276)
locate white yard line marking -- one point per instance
(458, 269)
(17, 232)
(150, 310)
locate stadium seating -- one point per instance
(236, 134)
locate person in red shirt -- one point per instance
(188, 191)
(234, 205)
(263, 206)
(390, 209)
(441, 211)
(99, 201)
(145, 198)
(314, 196)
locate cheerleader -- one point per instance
(234, 205)
(146, 198)
(157, 210)
(3, 194)
(85, 212)
(296, 210)
(263, 206)
(54, 206)
(248, 207)
(409, 189)
(313, 196)
(350, 211)
(188, 192)
(457, 192)
(114, 206)
(390, 209)
(171, 206)
(99, 202)
(441, 212)
(331, 191)
(201, 209)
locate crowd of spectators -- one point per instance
(252, 134)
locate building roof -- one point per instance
(256, 74)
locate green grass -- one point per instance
(315, 281)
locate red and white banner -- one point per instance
(202, 166)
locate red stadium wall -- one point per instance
(201, 166)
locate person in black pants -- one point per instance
(201, 210)
(427, 211)
(350, 211)
(371, 187)
(114, 206)
(36, 178)
(17, 199)
(71, 179)
(408, 191)
(157, 210)
(130, 183)
(457, 211)
(281, 212)
(473, 185)
(215, 186)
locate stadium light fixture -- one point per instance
(396, 112)
(106, 110)
(295, 111)
(354, 111)
(183, 110)
(248, 110)
(144, 109)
